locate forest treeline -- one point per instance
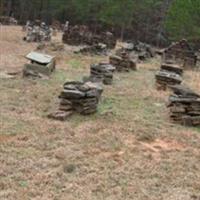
(153, 21)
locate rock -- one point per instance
(95, 49)
(123, 63)
(38, 33)
(172, 68)
(168, 75)
(81, 35)
(5, 20)
(181, 53)
(60, 115)
(40, 65)
(74, 94)
(101, 73)
(78, 97)
(184, 106)
(136, 50)
(184, 91)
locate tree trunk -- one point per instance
(122, 32)
(41, 9)
(8, 8)
(1, 7)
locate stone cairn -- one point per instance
(78, 97)
(81, 35)
(184, 106)
(181, 53)
(123, 63)
(102, 73)
(169, 74)
(4, 20)
(138, 50)
(144, 51)
(39, 66)
(38, 33)
(106, 38)
(96, 49)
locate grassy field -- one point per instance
(128, 150)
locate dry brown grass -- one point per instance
(128, 150)
(192, 79)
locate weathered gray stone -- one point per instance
(71, 94)
(78, 97)
(168, 75)
(184, 106)
(123, 63)
(172, 68)
(41, 65)
(60, 115)
(181, 53)
(102, 72)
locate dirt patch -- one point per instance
(5, 138)
(161, 145)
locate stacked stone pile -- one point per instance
(96, 49)
(168, 75)
(78, 97)
(181, 53)
(74, 35)
(140, 50)
(172, 68)
(184, 106)
(81, 35)
(102, 72)
(39, 66)
(123, 63)
(107, 38)
(144, 51)
(38, 34)
(4, 20)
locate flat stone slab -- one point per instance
(184, 91)
(40, 65)
(72, 94)
(172, 68)
(60, 115)
(168, 76)
(40, 58)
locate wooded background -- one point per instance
(152, 21)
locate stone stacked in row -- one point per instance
(102, 72)
(38, 34)
(123, 63)
(168, 75)
(78, 97)
(138, 50)
(96, 49)
(184, 106)
(181, 53)
(82, 35)
(5, 20)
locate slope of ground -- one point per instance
(128, 150)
